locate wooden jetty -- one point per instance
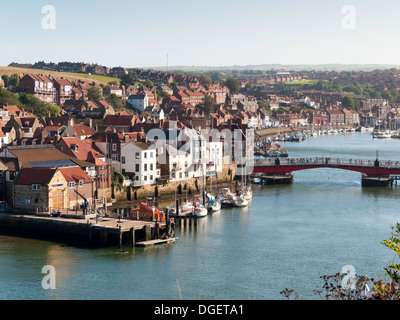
(154, 242)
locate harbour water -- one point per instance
(288, 237)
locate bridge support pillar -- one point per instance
(375, 181)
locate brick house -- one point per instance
(317, 117)
(77, 130)
(118, 72)
(83, 150)
(336, 116)
(63, 90)
(109, 143)
(40, 189)
(78, 181)
(38, 85)
(112, 89)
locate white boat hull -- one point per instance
(200, 212)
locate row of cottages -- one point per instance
(218, 91)
(55, 90)
(182, 153)
(88, 108)
(47, 89)
(80, 67)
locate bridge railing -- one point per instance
(326, 161)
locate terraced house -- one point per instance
(38, 85)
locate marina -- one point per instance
(278, 240)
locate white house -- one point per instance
(3, 139)
(139, 101)
(252, 120)
(156, 112)
(139, 159)
(174, 163)
(183, 152)
(214, 157)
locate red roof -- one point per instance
(36, 175)
(84, 151)
(75, 174)
(82, 130)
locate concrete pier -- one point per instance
(83, 232)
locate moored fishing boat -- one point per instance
(147, 212)
(214, 205)
(199, 211)
(240, 202)
(246, 193)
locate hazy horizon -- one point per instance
(137, 34)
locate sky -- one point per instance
(201, 33)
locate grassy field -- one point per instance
(302, 82)
(66, 75)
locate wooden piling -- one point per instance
(157, 231)
(120, 236)
(132, 236)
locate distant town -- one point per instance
(61, 137)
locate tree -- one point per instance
(348, 102)
(205, 79)
(233, 85)
(14, 80)
(6, 80)
(116, 102)
(128, 79)
(148, 83)
(173, 85)
(94, 93)
(208, 104)
(52, 109)
(393, 243)
(7, 97)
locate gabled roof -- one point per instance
(82, 130)
(40, 176)
(83, 151)
(75, 174)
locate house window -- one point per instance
(71, 184)
(145, 167)
(151, 177)
(36, 187)
(137, 168)
(114, 157)
(145, 154)
(151, 166)
(123, 159)
(114, 147)
(137, 155)
(151, 154)
(81, 183)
